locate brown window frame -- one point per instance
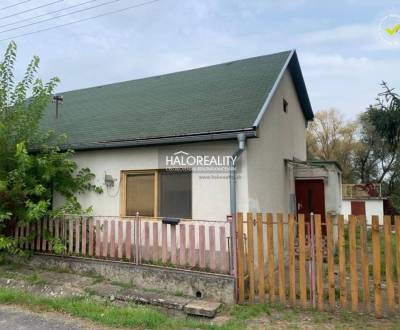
(124, 174)
(123, 190)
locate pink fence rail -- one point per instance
(197, 245)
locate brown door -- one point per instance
(310, 197)
(358, 208)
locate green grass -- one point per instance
(105, 313)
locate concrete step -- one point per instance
(188, 305)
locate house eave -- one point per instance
(165, 140)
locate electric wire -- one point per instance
(81, 20)
(60, 16)
(31, 9)
(48, 13)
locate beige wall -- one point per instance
(281, 136)
(210, 194)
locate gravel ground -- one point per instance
(18, 318)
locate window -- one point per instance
(156, 193)
(285, 105)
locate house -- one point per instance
(197, 144)
(364, 199)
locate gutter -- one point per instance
(232, 183)
(175, 139)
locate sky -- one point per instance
(341, 50)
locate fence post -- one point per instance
(376, 258)
(312, 259)
(387, 224)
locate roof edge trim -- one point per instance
(273, 90)
(189, 138)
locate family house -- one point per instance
(196, 144)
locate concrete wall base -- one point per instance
(209, 286)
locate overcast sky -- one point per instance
(339, 43)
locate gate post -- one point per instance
(231, 219)
(312, 259)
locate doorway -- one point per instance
(310, 197)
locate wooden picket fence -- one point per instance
(196, 245)
(343, 263)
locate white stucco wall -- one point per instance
(372, 207)
(280, 136)
(210, 195)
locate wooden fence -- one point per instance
(349, 264)
(196, 245)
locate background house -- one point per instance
(123, 132)
(364, 199)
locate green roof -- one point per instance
(223, 97)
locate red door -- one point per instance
(310, 197)
(358, 208)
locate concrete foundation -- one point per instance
(209, 286)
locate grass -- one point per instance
(105, 313)
(148, 317)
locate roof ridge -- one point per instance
(176, 72)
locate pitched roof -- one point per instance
(221, 98)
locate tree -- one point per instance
(384, 120)
(32, 166)
(330, 137)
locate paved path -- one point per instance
(16, 318)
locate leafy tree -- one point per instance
(384, 120)
(330, 137)
(32, 166)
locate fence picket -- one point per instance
(173, 244)
(223, 258)
(250, 256)
(39, 235)
(105, 239)
(376, 259)
(71, 236)
(292, 264)
(353, 263)
(164, 242)
(44, 234)
(146, 255)
(77, 236)
(128, 241)
(112, 239)
(98, 239)
(91, 236)
(397, 225)
(271, 264)
(240, 257)
(155, 242)
(331, 270)
(260, 258)
(192, 246)
(84, 232)
(302, 261)
(182, 244)
(387, 224)
(281, 261)
(364, 262)
(319, 262)
(202, 246)
(342, 262)
(211, 234)
(51, 231)
(120, 239)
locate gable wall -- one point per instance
(280, 136)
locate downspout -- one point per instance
(232, 182)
